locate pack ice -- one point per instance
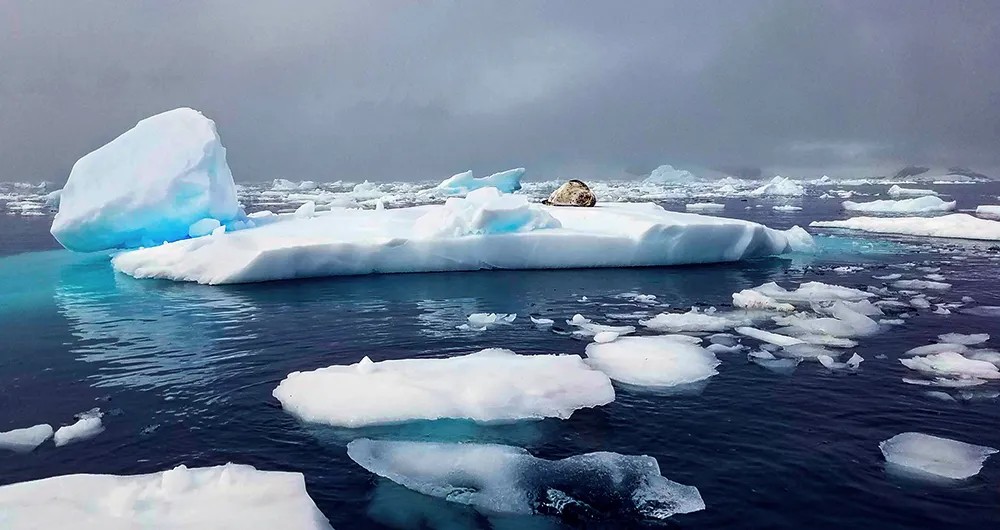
(233, 497)
(486, 386)
(935, 456)
(504, 479)
(485, 230)
(148, 186)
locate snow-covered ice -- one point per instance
(505, 479)
(916, 205)
(786, 208)
(463, 183)
(965, 339)
(25, 440)
(229, 497)
(932, 455)
(608, 235)
(87, 426)
(653, 361)
(486, 386)
(780, 186)
(956, 225)
(147, 186)
(897, 191)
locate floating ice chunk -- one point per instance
(203, 227)
(541, 321)
(704, 207)
(945, 382)
(786, 208)
(484, 211)
(505, 182)
(752, 299)
(692, 321)
(147, 186)
(490, 385)
(768, 337)
(917, 205)
(812, 292)
(807, 351)
(605, 336)
(87, 426)
(780, 186)
(952, 364)
(769, 361)
(852, 364)
(919, 302)
(640, 298)
(921, 285)
(936, 456)
(957, 225)
(25, 440)
(287, 185)
(588, 328)
(960, 338)
(223, 497)
(990, 356)
(481, 321)
(306, 211)
(985, 210)
(937, 348)
(983, 311)
(894, 276)
(504, 479)
(724, 349)
(896, 191)
(652, 361)
(845, 323)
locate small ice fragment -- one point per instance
(605, 336)
(87, 426)
(25, 440)
(959, 338)
(935, 456)
(306, 211)
(767, 336)
(652, 361)
(541, 321)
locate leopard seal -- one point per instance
(572, 193)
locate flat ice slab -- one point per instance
(505, 479)
(487, 386)
(653, 361)
(957, 226)
(350, 242)
(25, 440)
(229, 497)
(917, 205)
(935, 456)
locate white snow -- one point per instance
(349, 242)
(462, 183)
(505, 479)
(147, 186)
(25, 440)
(935, 456)
(988, 210)
(229, 497)
(916, 205)
(752, 299)
(957, 226)
(952, 364)
(653, 361)
(483, 212)
(489, 385)
(961, 338)
(87, 426)
(780, 186)
(897, 191)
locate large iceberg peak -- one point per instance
(148, 185)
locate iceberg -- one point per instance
(652, 361)
(897, 191)
(502, 479)
(229, 497)
(935, 456)
(25, 440)
(487, 386)
(667, 174)
(780, 186)
(147, 186)
(956, 225)
(918, 205)
(424, 239)
(505, 181)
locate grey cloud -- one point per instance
(407, 90)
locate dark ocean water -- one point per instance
(185, 372)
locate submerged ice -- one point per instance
(508, 480)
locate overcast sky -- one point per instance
(407, 90)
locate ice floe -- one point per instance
(694, 320)
(233, 497)
(588, 328)
(917, 205)
(921, 285)
(505, 479)
(752, 299)
(87, 426)
(25, 440)
(705, 207)
(897, 191)
(393, 240)
(935, 456)
(952, 364)
(961, 338)
(957, 226)
(988, 210)
(653, 361)
(147, 186)
(487, 386)
(482, 321)
(851, 364)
